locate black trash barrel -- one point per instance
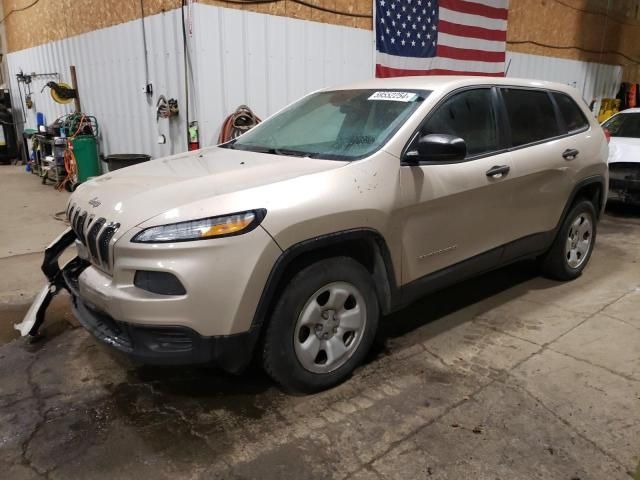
(122, 160)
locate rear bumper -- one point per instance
(624, 182)
(624, 190)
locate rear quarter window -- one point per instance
(571, 113)
(530, 114)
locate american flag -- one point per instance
(440, 37)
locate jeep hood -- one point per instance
(624, 149)
(138, 193)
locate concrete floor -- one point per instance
(508, 376)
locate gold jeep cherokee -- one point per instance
(290, 241)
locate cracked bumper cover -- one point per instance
(158, 345)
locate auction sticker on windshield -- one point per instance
(394, 96)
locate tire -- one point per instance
(568, 256)
(315, 319)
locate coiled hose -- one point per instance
(239, 122)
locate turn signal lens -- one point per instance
(201, 229)
(230, 225)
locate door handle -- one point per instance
(570, 153)
(497, 171)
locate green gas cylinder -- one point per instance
(85, 149)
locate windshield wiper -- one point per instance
(286, 151)
(269, 150)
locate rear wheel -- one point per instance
(572, 248)
(322, 327)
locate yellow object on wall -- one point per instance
(608, 108)
(57, 98)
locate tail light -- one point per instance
(607, 134)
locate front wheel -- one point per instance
(571, 250)
(322, 326)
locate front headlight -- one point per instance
(202, 229)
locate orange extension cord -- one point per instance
(70, 164)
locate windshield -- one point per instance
(338, 125)
(624, 125)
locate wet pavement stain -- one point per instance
(182, 414)
(10, 315)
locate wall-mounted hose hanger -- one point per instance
(60, 92)
(240, 121)
(26, 79)
(166, 108)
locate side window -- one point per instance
(614, 125)
(624, 125)
(470, 116)
(573, 117)
(530, 114)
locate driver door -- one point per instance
(455, 211)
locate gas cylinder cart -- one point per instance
(81, 157)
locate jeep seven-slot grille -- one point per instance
(82, 218)
(95, 233)
(92, 236)
(104, 239)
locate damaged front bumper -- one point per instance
(55, 275)
(159, 345)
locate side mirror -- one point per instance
(436, 147)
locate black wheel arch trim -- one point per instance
(585, 182)
(383, 275)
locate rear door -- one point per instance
(452, 211)
(542, 150)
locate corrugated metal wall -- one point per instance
(592, 79)
(267, 61)
(111, 77)
(237, 57)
